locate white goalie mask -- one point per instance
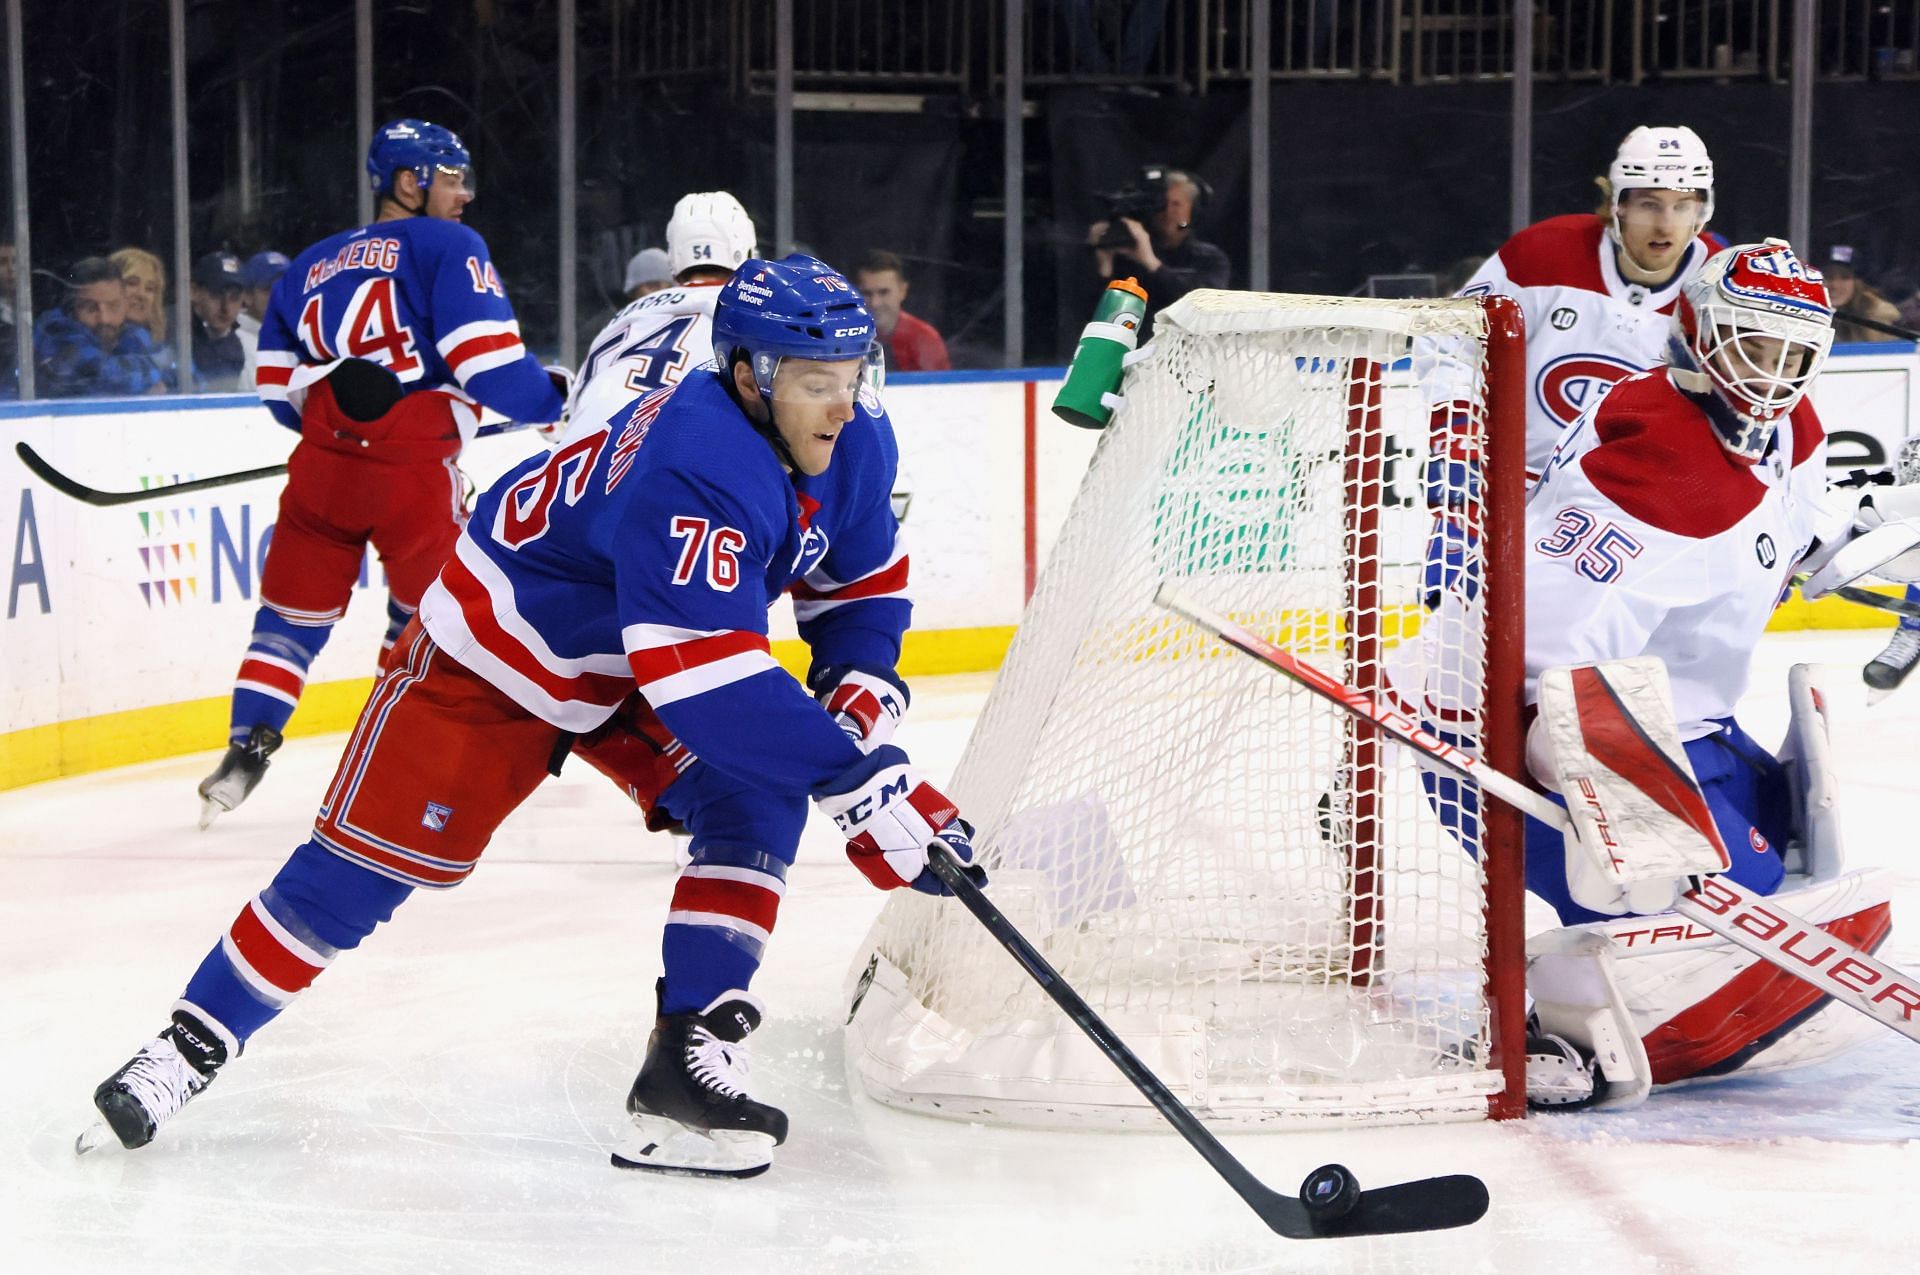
(1752, 330)
(709, 228)
(1661, 159)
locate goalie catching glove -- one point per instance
(1880, 536)
(890, 817)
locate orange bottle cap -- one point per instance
(1130, 284)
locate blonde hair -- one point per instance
(125, 261)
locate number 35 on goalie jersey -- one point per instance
(648, 552)
(421, 297)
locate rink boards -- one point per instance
(123, 626)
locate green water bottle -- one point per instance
(1091, 392)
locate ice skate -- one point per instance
(155, 1083)
(691, 1114)
(238, 774)
(1885, 671)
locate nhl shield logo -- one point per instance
(436, 816)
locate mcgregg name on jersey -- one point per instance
(361, 254)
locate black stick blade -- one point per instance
(1431, 1204)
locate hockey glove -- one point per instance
(867, 707)
(890, 816)
(1453, 561)
(562, 377)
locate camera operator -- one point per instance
(1150, 232)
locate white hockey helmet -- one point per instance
(1661, 159)
(708, 228)
(1752, 329)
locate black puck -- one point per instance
(1330, 1192)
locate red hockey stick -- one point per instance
(1721, 904)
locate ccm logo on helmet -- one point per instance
(1569, 385)
(859, 331)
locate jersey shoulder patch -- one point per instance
(1657, 457)
(1562, 252)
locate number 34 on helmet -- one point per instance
(1750, 332)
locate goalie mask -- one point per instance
(1750, 332)
(1661, 159)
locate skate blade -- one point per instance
(658, 1145)
(93, 1138)
(211, 809)
(1875, 694)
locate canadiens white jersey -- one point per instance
(1645, 537)
(649, 345)
(1587, 324)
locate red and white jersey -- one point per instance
(649, 345)
(1588, 325)
(1646, 537)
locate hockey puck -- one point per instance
(1330, 1192)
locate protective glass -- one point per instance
(460, 176)
(811, 384)
(1634, 212)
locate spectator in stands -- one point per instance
(1854, 298)
(257, 277)
(146, 281)
(1166, 256)
(9, 330)
(221, 355)
(87, 347)
(647, 273)
(912, 345)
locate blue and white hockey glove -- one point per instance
(1453, 561)
(1452, 482)
(867, 707)
(890, 816)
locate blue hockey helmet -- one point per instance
(797, 307)
(418, 147)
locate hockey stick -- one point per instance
(1330, 1201)
(67, 486)
(1877, 325)
(1868, 598)
(1721, 904)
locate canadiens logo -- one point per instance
(1571, 384)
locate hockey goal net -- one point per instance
(1270, 904)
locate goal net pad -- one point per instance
(1277, 909)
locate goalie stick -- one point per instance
(1844, 972)
(68, 486)
(1868, 598)
(1330, 1202)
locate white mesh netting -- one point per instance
(1260, 897)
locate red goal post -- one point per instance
(1268, 902)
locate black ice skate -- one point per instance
(159, 1080)
(691, 1114)
(1885, 671)
(238, 774)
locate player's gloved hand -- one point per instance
(1452, 563)
(866, 706)
(890, 816)
(562, 377)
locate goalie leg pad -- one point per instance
(1705, 1008)
(1577, 999)
(1814, 849)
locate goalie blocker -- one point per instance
(1623, 1004)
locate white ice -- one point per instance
(444, 1098)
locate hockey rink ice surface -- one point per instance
(444, 1098)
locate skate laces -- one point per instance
(1902, 649)
(160, 1079)
(717, 1064)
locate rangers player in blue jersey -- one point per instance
(379, 347)
(640, 556)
